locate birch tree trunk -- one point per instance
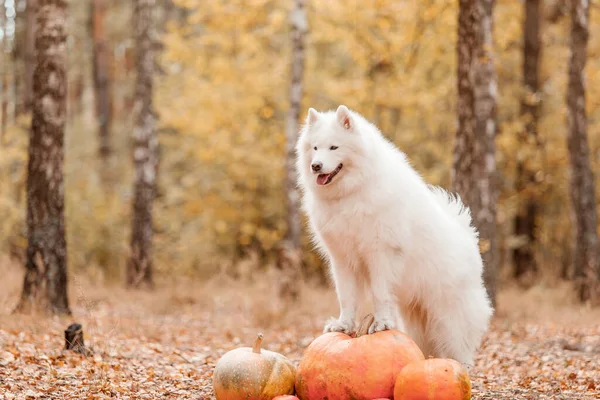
(145, 148)
(583, 199)
(101, 67)
(524, 255)
(290, 251)
(298, 33)
(474, 164)
(3, 74)
(17, 55)
(45, 285)
(29, 54)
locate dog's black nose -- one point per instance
(316, 166)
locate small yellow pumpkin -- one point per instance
(253, 374)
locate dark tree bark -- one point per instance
(29, 54)
(145, 151)
(474, 150)
(101, 66)
(45, 286)
(525, 220)
(298, 33)
(583, 199)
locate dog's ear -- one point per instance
(313, 116)
(344, 118)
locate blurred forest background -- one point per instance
(221, 96)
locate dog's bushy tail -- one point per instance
(452, 204)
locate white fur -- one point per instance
(389, 235)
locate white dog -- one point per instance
(408, 245)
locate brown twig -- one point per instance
(364, 326)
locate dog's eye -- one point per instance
(315, 147)
(333, 148)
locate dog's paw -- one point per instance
(337, 325)
(382, 324)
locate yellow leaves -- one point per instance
(267, 112)
(509, 17)
(221, 226)
(277, 19)
(225, 93)
(177, 49)
(189, 4)
(268, 238)
(484, 246)
(248, 229)
(196, 18)
(252, 184)
(244, 240)
(431, 12)
(194, 207)
(224, 70)
(206, 154)
(383, 23)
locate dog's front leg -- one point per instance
(347, 293)
(382, 290)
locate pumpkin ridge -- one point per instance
(272, 367)
(279, 367)
(465, 384)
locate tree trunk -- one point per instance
(45, 286)
(3, 75)
(583, 199)
(76, 90)
(74, 340)
(145, 151)
(101, 67)
(524, 255)
(474, 150)
(298, 33)
(18, 45)
(29, 54)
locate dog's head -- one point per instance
(331, 151)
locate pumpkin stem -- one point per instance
(365, 324)
(257, 342)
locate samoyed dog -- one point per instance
(389, 235)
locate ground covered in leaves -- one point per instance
(164, 344)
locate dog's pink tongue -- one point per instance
(322, 179)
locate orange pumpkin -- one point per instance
(435, 378)
(253, 374)
(338, 366)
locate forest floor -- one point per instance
(164, 344)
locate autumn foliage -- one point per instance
(222, 95)
(222, 89)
